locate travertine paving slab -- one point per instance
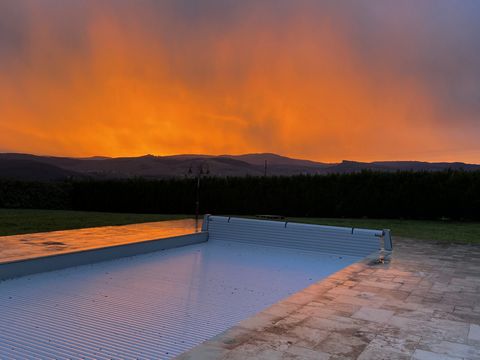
(424, 304)
(474, 333)
(428, 355)
(450, 348)
(28, 246)
(372, 314)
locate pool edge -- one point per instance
(18, 268)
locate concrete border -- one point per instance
(41, 264)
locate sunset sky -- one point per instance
(324, 80)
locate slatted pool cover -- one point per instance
(152, 306)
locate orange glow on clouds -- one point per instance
(128, 78)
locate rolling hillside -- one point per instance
(33, 167)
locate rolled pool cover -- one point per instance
(307, 237)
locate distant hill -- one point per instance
(33, 170)
(33, 167)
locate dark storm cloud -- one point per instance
(436, 41)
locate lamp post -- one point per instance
(200, 170)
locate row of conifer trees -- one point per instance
(413, 195)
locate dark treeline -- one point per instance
(413, 195)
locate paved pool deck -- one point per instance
(29, 246)
(424, 304)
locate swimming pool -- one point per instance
(152, 306)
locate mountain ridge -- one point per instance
(37, 167)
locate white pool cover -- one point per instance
(152, 306)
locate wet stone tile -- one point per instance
(349, 345)
(373, 314)
(303, 353)
(404, 345)
(449, 348)
(373, 353)
(428, 355)
(308, 337)
(474, 332)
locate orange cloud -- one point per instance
(129, 78)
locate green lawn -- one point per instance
(29, 221)
(14, 221)
(445, 231)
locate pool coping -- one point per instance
(40, 264)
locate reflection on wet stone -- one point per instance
(26, 246)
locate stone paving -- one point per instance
(28, 246)
(422, 304)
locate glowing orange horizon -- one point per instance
(300, 87)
